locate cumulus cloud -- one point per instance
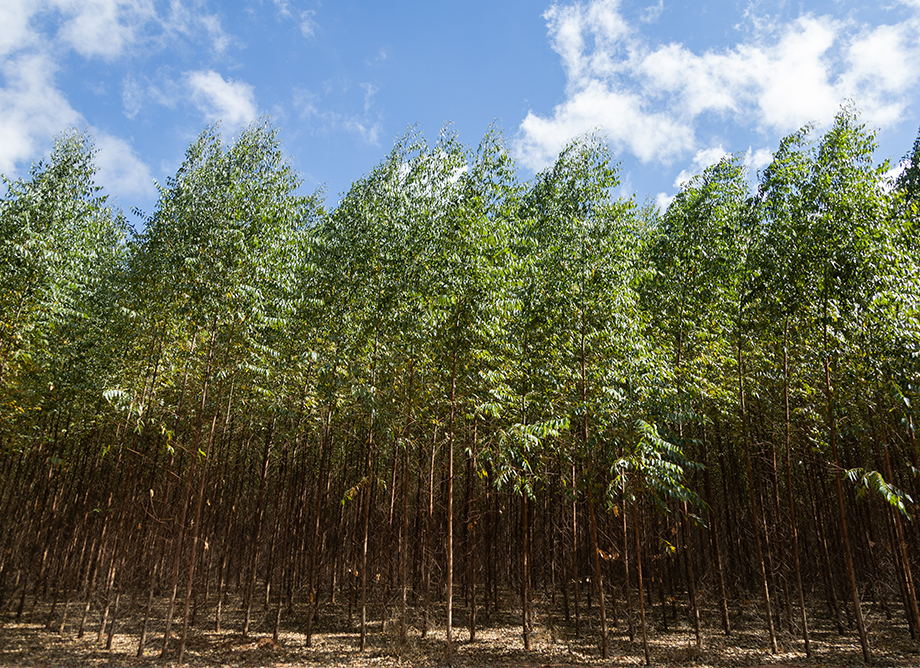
(14, 17)
(120, 168)
(32, 109)
(755, 160)
(663, 201)
(37, 36)
(650, 98)
(103, 28)
(229, 101)
(704, 158)
(627, 118)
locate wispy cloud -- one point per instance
(323, 119)
(651, 98)
(308, 23)
(653, 12)
(306, 18)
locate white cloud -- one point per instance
(132, 96)
(704, 158)
(305, 18)
(92, 28)
(369, 91)
(890, 178)
(189, 23)
(757, 160)
(14, 17)
(653, 12)
(307, 23)
(32, 110)
(650, 99)
(323, 120)
(663, 201)
(120, 168)
(625, 118)
(104, 28)
(229, 101)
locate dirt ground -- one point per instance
(28, 642)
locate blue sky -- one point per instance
(672, 84)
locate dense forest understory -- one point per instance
(459, 417)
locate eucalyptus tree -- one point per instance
(58, 239)
(212, 261)
(698, 254)
(467, 256)
(62, 252)
(784, 289)
(582, 312)
(845, 204)
(371, 247)
(904, 288)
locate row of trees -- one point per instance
(457, 385)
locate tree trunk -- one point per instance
(635, 505)
(793, 526)
(257, 530)
(450, 506)
(841, 506)
(755, 514)
(605, 648)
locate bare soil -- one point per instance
(27, 641)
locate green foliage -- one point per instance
(560, 337)
(872, 482)
(654, 468)
(62, 251)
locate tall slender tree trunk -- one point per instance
(404, 526)
(691, 575)
(635, 505)
(605, 647)
(755, 513)
(714, 539)
(525, 570)
(627, 591)
(793, 525)
(257, 530)
(365, 526)
(319, 507)
(450, 505)
(473, 547)
(841, 506)
(574, 560)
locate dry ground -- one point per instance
(27, 641)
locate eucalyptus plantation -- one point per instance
(460, 392)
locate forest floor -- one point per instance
(28, 642)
